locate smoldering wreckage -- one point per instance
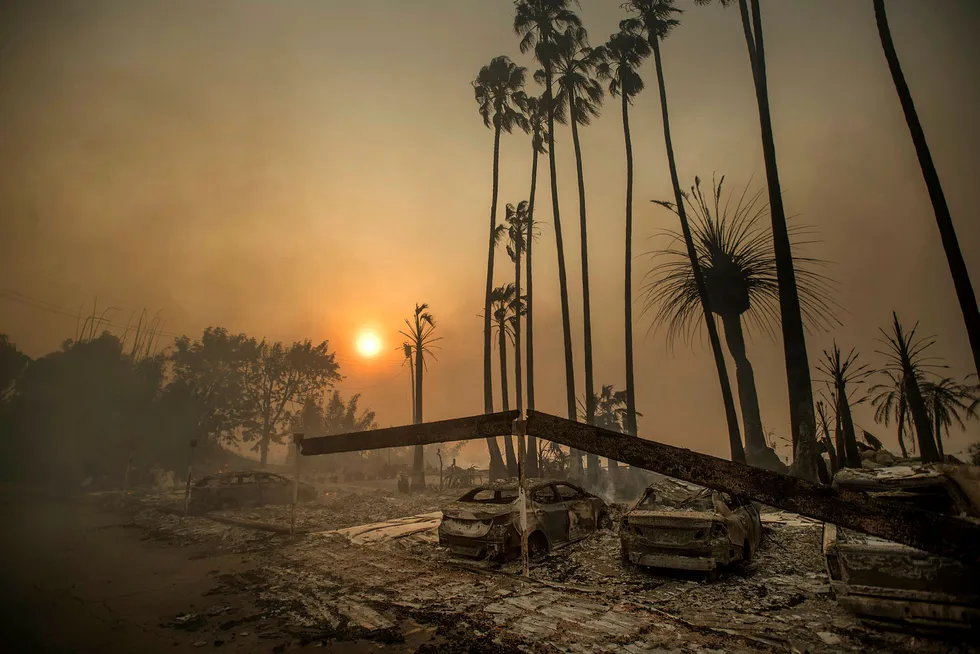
(713, 556)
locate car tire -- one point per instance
(746, 551)
(537, 547)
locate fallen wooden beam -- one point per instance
(932, 532)
(427, 433)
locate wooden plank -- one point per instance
(943, 535)
(427, 433)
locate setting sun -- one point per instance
(368, 344)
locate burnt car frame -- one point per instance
(240, 489)
(886, 582)
(485, 522)
(694, 529)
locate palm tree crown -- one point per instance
(735, 252)
(539, 22)
(499, 92)
(621, 56)
(536, 113)
(578, 90)
(653, 17)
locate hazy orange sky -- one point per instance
(301, 169)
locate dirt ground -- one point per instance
(142, 579)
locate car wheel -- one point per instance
(746, 551)
(537, 547)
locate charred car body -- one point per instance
(485, 522)
(246, 488)
(686, 527)
(890, 582)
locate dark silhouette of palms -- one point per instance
(841, 372)
(738, 261)
(802, 419)
(499, 92)
(948, 402)
(891, 402)
(655, 19)
(621, 57)
(507, 310)
(947, 232)
(420, 338)
(906, 360)
(539, 23)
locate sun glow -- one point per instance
(368, 344)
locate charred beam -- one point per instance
(946, 536)
(427, 433)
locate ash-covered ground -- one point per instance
(322, 588)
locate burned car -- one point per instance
(228, 490)
(689, 528)
(485, 522)
(892, 583)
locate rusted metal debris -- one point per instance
(924, 530)
(932, 532)
(427, 433)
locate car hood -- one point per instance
(669, 518)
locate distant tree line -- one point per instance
(85, 409)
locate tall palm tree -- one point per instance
(954, 258)
(537, 118)
(655, 18)
(828, 439)
(579, 97)
(736, 255)
(518, 236)
(506, 314)
(406, 349)
(905, 358)
(948, 402)
(802, 419)
(419, 335)
(539, 24)
(622, 56)
(840, 372)
(890, 402)
(499, 92)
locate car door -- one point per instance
(581, 517)
(551, 513)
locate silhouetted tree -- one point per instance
(802, 419)
(539, 23)
(655, 19)
(951, 245)
(621, 58)
(738, 262)
(276, 376)
(406, 350)
(12, 364)
(890, 402)
(537, 117)
(518, 236)
(948, 402)
(905, 358)
(828, 439)
(505, 319)
(842, 371)
(499, 90)
(612, 414)
(419, 335)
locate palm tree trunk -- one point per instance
(901, 428)
(508, 441)
(852, 458)
(839, 437)
(802, 420)
(487, 377)
(411, 374)
(418, 467)
(954, 258)
(748, 398)
(592, 459)
(831, 450)
(531, 464)
(734, 437)
(920, 417)
(630, 392)
(518, 381)
(938, 432)
(566, 324)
